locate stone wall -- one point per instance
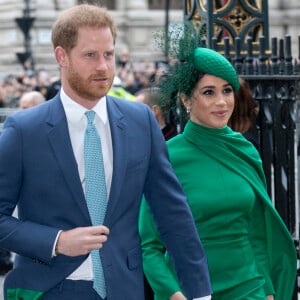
(284, 20)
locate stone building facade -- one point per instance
(136, 21)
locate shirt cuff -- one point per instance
(55, 242)
(203, 298)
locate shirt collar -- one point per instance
(75, 112)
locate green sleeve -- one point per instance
(157, 268)
(259, 244)
(15, 294)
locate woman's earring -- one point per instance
(188, 110)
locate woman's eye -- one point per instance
(228, 90)
(208, 92)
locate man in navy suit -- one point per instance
(42, 172)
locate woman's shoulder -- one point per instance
(175, 141)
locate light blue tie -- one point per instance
(95, 192)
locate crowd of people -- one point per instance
(13, 86)
(114, 201)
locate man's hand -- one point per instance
(81, 240)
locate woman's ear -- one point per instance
(184, 100)
(155, 108)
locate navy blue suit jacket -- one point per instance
(38, 173)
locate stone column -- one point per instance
(136, 4)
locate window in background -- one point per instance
(109, 4)
(161, 4)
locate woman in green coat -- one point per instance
(250, 253)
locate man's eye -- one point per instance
(108, 54)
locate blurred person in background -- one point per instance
(117, 90)
(2, 97)
(160, 108)
(243, 118)
(30, 99)
(43, 81)
(13, 89)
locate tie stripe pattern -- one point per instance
(95, 192)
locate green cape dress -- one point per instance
(246, 242)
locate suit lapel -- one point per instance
(61, 144)
(119, 140)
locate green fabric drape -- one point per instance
(227, 148)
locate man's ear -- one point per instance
(61, 56)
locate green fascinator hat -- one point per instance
(211, 62)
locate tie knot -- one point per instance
(90, 114)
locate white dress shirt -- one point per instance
(77, 123)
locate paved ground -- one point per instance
(1, 290)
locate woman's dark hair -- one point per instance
(245, 109)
